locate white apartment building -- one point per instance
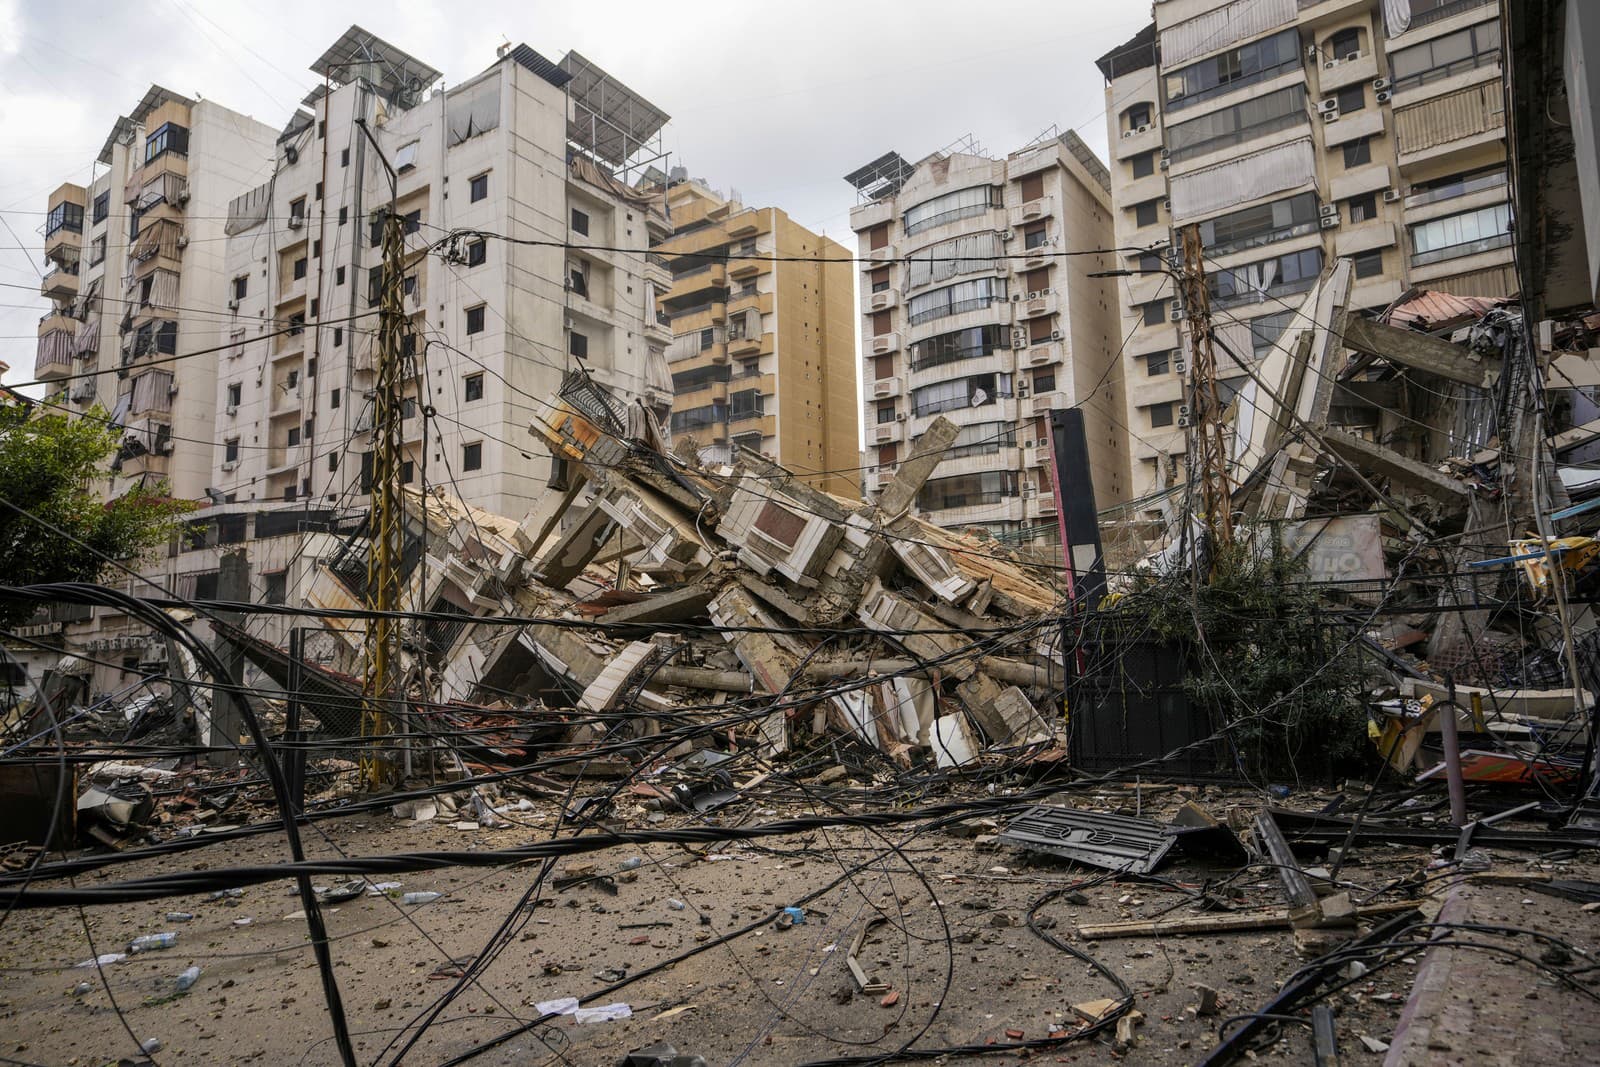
(497, 317)
(1293, 132)
(994, 327)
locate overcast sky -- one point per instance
(777, 100)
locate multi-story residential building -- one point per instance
(1292, 132)
(249, 257)
(979, 303)
(136, 282)
(763, 349)
(491, 179)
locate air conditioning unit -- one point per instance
(1329, 223)
(1180, 367)
(1166, 153)
(1023, 389)
(1330, 64)
(1030, 490)
(1055, 335)
(1177, 314)
(1183, 422)
(1352, 57)
(1034, 295)
(1166, 205)
(1381, 84)
(1016, 298)
(182, 198)
(183, 241)
(1328, 103)
(1128, 133)
(900, 416)
(1143, 129)
(229, 464)
(1391, 196)
(1327, 210)
(1019, 338)
(1311, 51)
(233, 305)
(233, 409)
(1004, 235)
(1383, 96)
(296, 221)
(1164, 162)
(1183, 411)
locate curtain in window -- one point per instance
(966, 254)
(963, 203)
(1396, 17)
(1272, 170)
(164, 289)
(88, 339)
(152, 391)
(954, 299)
(1222, 27)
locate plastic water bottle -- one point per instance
(151, 942)
(188, 978)
(179, 916)
(632, 863)
(427, 897)
(150, 1045)
(676, 905)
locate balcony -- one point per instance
(882, 300)
(1467, 186)
(1040, 355)
(61, 283)
(54, 356)
(1039, 255)
(701, 279)
(1426, 12)
(883, 344)
(64, 244)
(1033, 211)
(747, 346)
(886, 433)
(884, 388)
(1450, 123)
(1035, 305)
(1340, 71)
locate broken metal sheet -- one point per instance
(1115, 842)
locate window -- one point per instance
(310, 430)
(1136, 116)
(1245, 65)
(1454, 185)
(971, 343)
(1044, 381)
(982, 439)
(338, 336)
(475, 319)
(1147, 263)
(1343, 45)
(97, 250)
(1363, 208)
(167, 338)
(297, 208)
(69, 217)
(1143, 164)
(1262, 224)
(408, 471)
(1160, 415)
(1368, 264)
(1147, 213)
(102, 207)
(1241, 122)
(230, 450)
(577, 282)
(886, 413)
(477, 188)
(473, 386)
(411, 221)
(472, 456)
(241, 286)
(344, 157)
(294, 436)
(333, 461)
(1034, 236)
(1153, 313)
(1454, 53)
(297, 324)
(277, 587)
(1248, 283)
(968, 490)
(1465, 234)
(477, 252)
(974, 391)
(954, 299)
(961, 204)
(577, 344)
(1156, 363)
(344, 215)
(338, 276)
(235, 394)
(169, 137)
(333, 400)
(708, 337)
(745, 404)
(580, 222)
(1358, 153)
(311, 367)
(1266, 329)
(300, 268)
(405, 157)
(1352, 98)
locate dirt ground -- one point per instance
(955, 949)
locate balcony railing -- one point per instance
(1422, 13)
(1463, 187)
(1465, 248)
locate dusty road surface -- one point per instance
(958, 936)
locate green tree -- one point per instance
(48, 466)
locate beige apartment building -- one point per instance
(1293, 132)
(762, 313)
(979, 303)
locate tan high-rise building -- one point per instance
(763, 352)
(1294, 132)
(979, 304)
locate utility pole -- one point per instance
(1208, 439)
(384, 690)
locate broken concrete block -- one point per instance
(952, 741)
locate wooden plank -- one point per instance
(1273, 919)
